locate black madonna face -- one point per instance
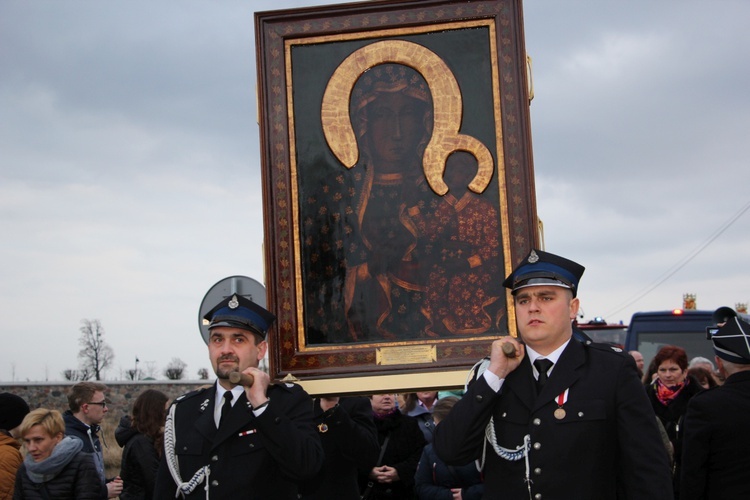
(396, 127)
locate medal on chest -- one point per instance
(561, 399)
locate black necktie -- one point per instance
(226, 407)
(542, 365)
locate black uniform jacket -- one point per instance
(250, 457)
(605, 446)
(716, 440)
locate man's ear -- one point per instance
(575, 304)
(262, 348)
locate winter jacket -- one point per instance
(90, 437)
(124, 431)
(426, 423)
(402, 453)
(10, 461)
(434, 480)
(140, 462)
(77, 480)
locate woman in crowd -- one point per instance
(435, 480)
(401, 444)
(669, 393)
(419, 405)
(704, 377)
(143, 445)
(55, 467)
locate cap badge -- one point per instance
(234, 303)
(533, 257)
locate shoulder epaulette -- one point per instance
(605, 347)
(189, 395)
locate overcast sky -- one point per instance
(130, 164)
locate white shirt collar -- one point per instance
(219, 400)
(553, 356)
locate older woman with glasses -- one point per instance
(54, 467)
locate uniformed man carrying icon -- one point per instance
(239, 441)
(555, 418)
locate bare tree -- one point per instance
(175, 369)
(203, 373)
(96, 356)
(150, 371)
(76, 375)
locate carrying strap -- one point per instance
(382, 450)
(371, 484)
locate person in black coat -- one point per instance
(254, 441)
(555, 417)
(716, 439)
(55, 466)
(350, 442)
(142, 442)
(401, 443)
(435, 480)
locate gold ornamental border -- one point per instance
(483, 176)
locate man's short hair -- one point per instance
(51, 421)
(82, 393)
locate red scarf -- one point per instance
(666, 394)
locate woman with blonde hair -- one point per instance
(55, 467)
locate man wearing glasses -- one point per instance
(88, 406)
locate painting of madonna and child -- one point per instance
(384, 255)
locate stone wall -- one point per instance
(120, 394)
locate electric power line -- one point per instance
(683, 262)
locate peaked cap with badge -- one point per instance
(732, 341)
(543, 268)
(240, 312)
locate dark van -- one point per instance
(649, 331)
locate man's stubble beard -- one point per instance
(223, 372)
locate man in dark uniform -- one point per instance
(232, 441)
(556, 419)
(716, 440)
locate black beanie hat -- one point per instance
(12, 410)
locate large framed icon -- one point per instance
(398, 188)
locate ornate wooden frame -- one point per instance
(472, 57)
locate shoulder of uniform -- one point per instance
(190, 395)
(286, 387)
(605, 347)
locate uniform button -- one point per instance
(537, 446)
(537, 421)
(479, 398)
(505, 414)
(184, 448)
(580, 413)
(277, 420)
(214, 483)
(215, 458)
(252, 445)
(538, 496)
(538, 471)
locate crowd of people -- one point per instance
(545, 415)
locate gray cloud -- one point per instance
(130, 166)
